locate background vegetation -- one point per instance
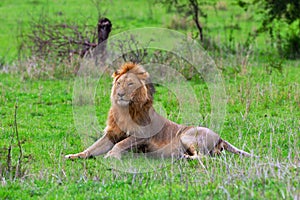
(261, 74)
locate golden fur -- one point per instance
(133, 123)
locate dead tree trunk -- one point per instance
(104, 28)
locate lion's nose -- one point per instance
(121, 94)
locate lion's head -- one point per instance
(132, 85)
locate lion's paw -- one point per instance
(71, 156)
(77, 155)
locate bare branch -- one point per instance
(19, 163)
(48, 39)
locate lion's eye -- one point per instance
(130, 84)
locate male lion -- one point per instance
(133, 124)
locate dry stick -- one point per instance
(9, 157)
(18, 168)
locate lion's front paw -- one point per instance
(71, 156)
(113, 154)
(77, 155)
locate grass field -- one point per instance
(227, 24)
(262, 117)
(47, 130)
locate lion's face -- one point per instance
(127, 89)
(132, 86)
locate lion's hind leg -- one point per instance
(217, 150)
(189, 144)
(191, 153)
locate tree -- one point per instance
(62, 40)
(276, 14)
(188, 8)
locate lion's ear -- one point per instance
(143, 76)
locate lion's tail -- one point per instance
(229, 147)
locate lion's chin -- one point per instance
(123, 103)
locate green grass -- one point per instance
(227, 26)
(262, 116)
(17, 15)
(46, 127)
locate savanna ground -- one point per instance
(262, 116)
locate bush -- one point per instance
(290, 44)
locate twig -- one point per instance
(9, 157)
(19, 164)
(132, 50)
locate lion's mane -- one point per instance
(142, 99)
